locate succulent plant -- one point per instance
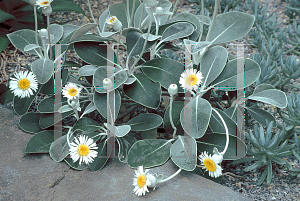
(266, 149)
(292, 116)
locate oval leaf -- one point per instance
(102, 156)
(59, 149)
(176, 31)
(149, 153)
(144, 91)
(158, 69)
(57, 31)
(195, 116)
(184, 153)
(100, 101)
(231, 26)
(271, 96)
(145, 122)
(75, 165)
(43, 70)
(212, 64)
(40, 142)
(83, 30)
(227, 80)
(30, 122)
(86, 124)
(261, 115)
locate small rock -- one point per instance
(273, 198)
(247, 186)
(239, 185)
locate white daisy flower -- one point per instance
(23, 85)
(81, 149)
(116, 24)
(142, 180)
(43, 3)
(190, 79)
(71, 91)
(211, 164)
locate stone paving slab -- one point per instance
(38, 177)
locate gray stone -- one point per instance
(38, 177)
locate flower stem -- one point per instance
(132, 11)
(175, 8)
(118, 59)
(144, 46)
(142, 13)
(202, 20)
(216, 8)
(68, 137)
(48, 24)
(226, 129)
(170, 115)
(93, 17)
(36, 27)
(175, 174)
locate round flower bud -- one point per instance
(151, 3)
(152, 179)
(173, 89)
(32, 2)
(159, 11)
(107, 84)
(47, 10)
(43, 33)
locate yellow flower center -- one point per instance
(141, 180)
(191, 80)
(72, 92)
(83, 150)
(45, 3)
(210, 165)
(24, 83)
(112, 20)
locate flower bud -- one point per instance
(159, 11)
(152, 179)
(107, 84)
(47, 10)
(173, 89)
(116, 24)
(151, 3)
(43, 33)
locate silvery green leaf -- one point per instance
(102, 20)
(227, 80)
(137, 16)
(59, 149)
(83, 30)
(271, 96)
(195, 116)
(191, 18)
(43, 69)
(176, 31)
(183, 153)
(194, 47)
(64, 108)
(130, 80)
(151, 37)
(107, 34)
(56, 32)
(21, 38)
(231, 26)
(212, 64)
(68, 29)
(90, 108)
(206, 20)
(87, 70)
(31, 47)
